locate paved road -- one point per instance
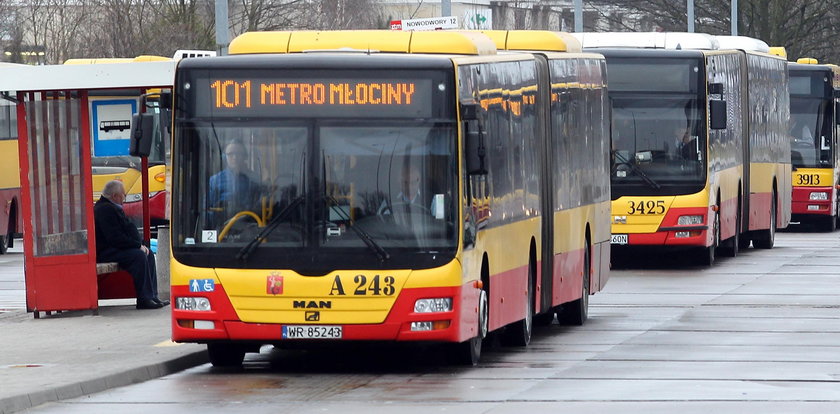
(12, 287)
(759, 333)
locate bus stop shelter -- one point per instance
(54, 142)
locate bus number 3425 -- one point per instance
(646, 207)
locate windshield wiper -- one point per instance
(638, 171)
(363, 235)
(259, 238)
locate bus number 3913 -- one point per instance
(646, 207)
(808, 179)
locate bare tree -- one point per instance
(257, 15)
(804, 27)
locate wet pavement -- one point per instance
(759, 333)
(71, 354)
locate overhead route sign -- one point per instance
(431, 23)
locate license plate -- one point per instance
(311, 332)
(618, 239)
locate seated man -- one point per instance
(233, 189)
(117, 240)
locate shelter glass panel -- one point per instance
(59, 226)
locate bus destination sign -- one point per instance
(318, 97)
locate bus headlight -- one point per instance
(193, 304)
(433, 305)
(821, 195)
(689, 220)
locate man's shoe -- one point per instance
(161, 302)
(148, 304)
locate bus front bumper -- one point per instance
(667, 233)
(812, 201)
(222, 323)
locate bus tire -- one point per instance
(576, 312)
(708, 254)
(730, 247)
(224, 355)
(519, 333)
(766, 238)
(830, 224)
(469, 352)
(4, 244)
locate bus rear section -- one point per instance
(814, 155)
(387, 196)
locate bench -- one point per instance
(114, 283)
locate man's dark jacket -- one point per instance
(114, 231)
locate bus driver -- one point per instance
(233, 189)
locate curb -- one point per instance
(132, 376)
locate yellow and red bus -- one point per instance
(700, 159)
(814, 90)
(507, 153)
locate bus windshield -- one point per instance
(657, 140)
(811, 132)
(314, 192)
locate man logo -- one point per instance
(313, 316)
(303, 304)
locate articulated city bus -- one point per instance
(814, 156)
(397, 186)
(692, 166)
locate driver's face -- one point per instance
(235, 155)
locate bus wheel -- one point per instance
(519, 333)
(576, 312)
(766, 238)
(4, 244)
(469, 352)
(707, 255)
(226, 355)
(731, 246)
(830, 224)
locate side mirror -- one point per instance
(142, 133)
(717, 114)
(474, 137)
(475, 148)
